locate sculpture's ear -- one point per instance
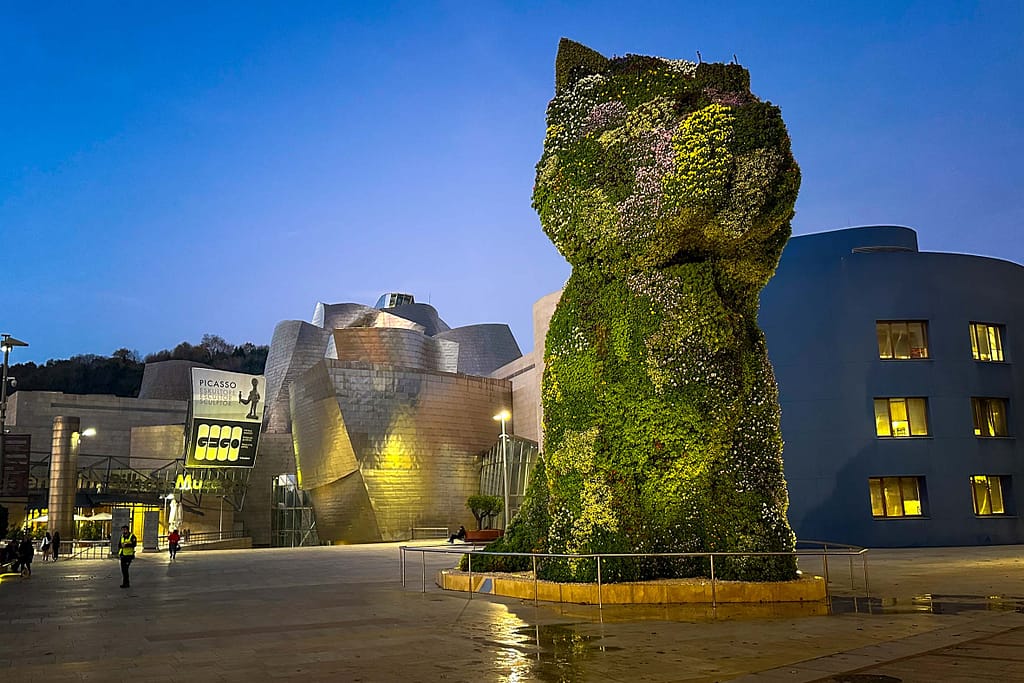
(574, 61)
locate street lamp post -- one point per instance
(7, 342)
(503, 417)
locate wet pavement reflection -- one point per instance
(928, 603)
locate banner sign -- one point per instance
(16, 450)
(226, 417)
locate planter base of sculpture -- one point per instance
(658, 592)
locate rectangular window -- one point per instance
(989, 417)
(901, 417)
(987, 342)
(987, 491)
(902, 339)
(896, 496)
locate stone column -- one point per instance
(63, 476)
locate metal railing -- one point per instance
(203, 537)
(823, 554)
(84, 550)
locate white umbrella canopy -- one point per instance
(101, 517)
(82, 518)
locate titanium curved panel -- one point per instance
(483, 348)
(340, 316)
(395, 346)
(295, 347)
(344, 511)
(422, 314)
(323, 452)
(417, 437)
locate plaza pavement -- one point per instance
(342, 614)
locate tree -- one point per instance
(484, 506)
(215, 345)
(126, 355)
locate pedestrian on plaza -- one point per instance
(126, 553)
(25, 552)
(173, 539)
(56, 545)
(45, 546)
(188, 535)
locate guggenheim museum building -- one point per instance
(898, 382)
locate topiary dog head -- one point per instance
(650, 161)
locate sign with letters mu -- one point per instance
(226, 416)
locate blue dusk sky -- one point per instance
(169, 170)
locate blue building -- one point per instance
(899, 389)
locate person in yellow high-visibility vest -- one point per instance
(126, 553)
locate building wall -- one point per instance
(113, 418)
(525, 374)
(819, 315)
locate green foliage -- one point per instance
(669, 188)
(91, 531)
(526, 533)
(575, 60)
(485, 507)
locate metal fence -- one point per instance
(822, 556)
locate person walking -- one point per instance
(44, 545)
(56, 545)
(25, 552)
(173, 539)
(126, 553)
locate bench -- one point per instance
(484, 535)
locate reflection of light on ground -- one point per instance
(512, 656)
(528, 652)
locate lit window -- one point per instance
(896, 496)
(986, 342)
(989, 416)
(901, 417)
(987, 491)
(902, 339)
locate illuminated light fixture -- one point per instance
(77, 436)
(7, 342)
(503, 417)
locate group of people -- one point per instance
(50, 546)
(19, 554)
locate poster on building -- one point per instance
(14, 478)
(226, 416)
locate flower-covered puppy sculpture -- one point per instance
(669, 188)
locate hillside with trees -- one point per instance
(120, 374)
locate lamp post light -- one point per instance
(503, 417)
(7, 342)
